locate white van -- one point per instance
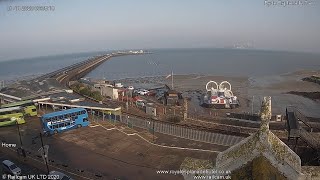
(10, 167)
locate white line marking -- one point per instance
(136, 134)
(92, 126)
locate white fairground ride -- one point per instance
(219, 96)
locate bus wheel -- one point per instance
(79, 126)
(55, 132)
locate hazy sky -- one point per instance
(95, 25)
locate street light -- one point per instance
(152, 130)
(20, 150)
(252, 105)
(153, 133)
(45, 155)
(127, 104)
(128, 124)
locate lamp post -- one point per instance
(127, 103)
(20, 150)
(44, 154)
(252, 105)
(153, 132)
(152, 129)
(19, 134)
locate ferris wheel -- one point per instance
(225, 85)
(212, 85)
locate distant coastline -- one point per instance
(228, 62)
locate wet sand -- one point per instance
(247, 89)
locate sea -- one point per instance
(162, 62)
(262, 68)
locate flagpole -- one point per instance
(172, 80)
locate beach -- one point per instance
(249, 91)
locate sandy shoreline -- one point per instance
(247, 89)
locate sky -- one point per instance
(96, 25)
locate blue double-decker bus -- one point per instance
(59, 121)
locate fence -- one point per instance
(182, 132)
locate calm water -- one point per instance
(249, 63)
(26, 68)
(262, 67)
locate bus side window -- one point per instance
(85, 119)
(60, 117)
(66, 116)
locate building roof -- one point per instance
(57, 113)
(10, 109)
(262, 144)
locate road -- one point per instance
(97, 152)
(26, 169)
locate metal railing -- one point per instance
(182, 132)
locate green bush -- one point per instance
(86, 91)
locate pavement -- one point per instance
(96, 153)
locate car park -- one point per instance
(136, 91)
(10, 167)
(151, 93)
(140, 103)
(143, 92)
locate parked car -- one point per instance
(60, 175)
(10, 167)
(131, 88)
(140, 103)
(143, 92)
(151, 93)
(136, 91)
